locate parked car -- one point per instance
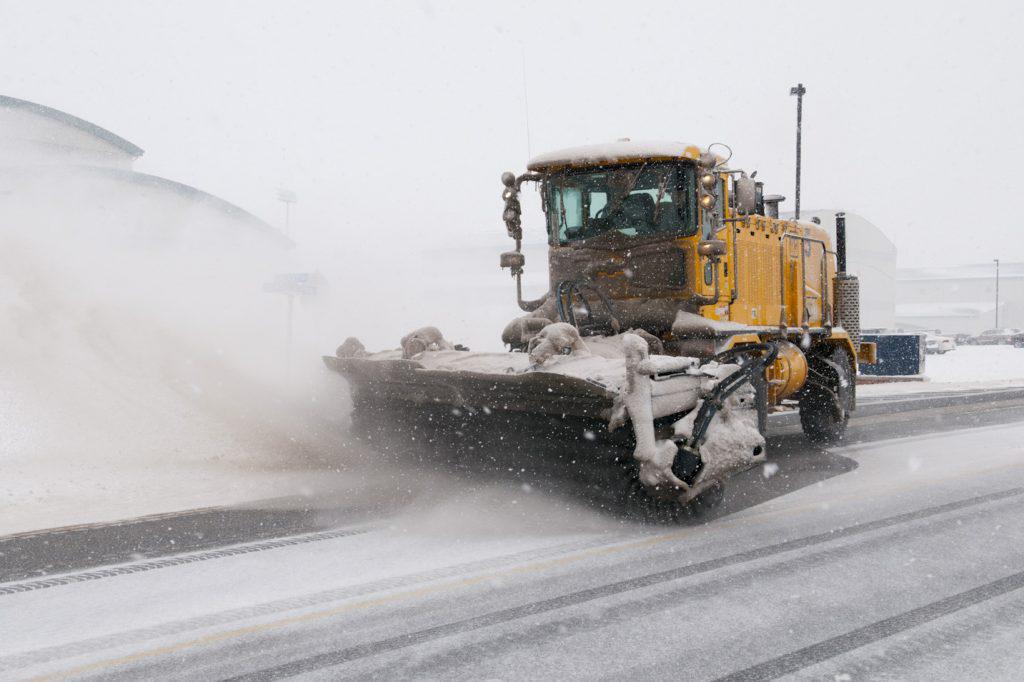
(992, 337)
(963, 339)
(938, 345)
(1018, 340)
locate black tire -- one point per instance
(638, 501)
(707, 500)
(649, 506)
(828, 398)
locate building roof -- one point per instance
(73, 121)
(194, 194)
(972, 271)
(620, 151)
(912, 310)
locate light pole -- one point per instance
(997, 292)
(287, 197)
(799, 91)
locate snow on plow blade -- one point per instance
(708, 407)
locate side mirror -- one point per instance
(746, 195)
(513, 211)
(712, 248)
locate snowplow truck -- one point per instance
(681, 310)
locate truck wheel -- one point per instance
(707, 500)
(826, 403)
(648, 506)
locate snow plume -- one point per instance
(143, 366)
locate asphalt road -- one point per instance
(895, 557)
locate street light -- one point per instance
(287, 197)
(799, 91)
(997, 291)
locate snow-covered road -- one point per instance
(906, 561)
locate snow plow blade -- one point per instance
(693, 423)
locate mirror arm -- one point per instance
(527, 306)
(527, 177)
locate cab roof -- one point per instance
(620, 151)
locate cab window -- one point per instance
(635, 201)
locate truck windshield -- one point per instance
(636, 201)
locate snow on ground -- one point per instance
(964, 369)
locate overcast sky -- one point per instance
(396, 119)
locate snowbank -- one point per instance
(966, 368)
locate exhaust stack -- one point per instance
(847, 287)
(841, 243)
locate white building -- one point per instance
(34, 134)
(53, 164)
(871, 256)
(960, 299)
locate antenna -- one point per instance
(526, 103)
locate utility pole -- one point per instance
(799, 91)
(997, 292)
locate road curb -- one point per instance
(911, 403)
